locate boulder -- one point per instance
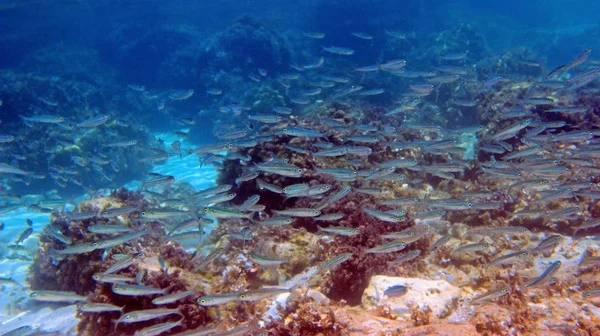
(439, 295)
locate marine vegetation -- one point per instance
(439, 189)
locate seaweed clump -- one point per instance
(52, 270)
(104, 324)
(421, 316)
(305, 316)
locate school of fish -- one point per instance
(532, 152)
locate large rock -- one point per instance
(437, 294)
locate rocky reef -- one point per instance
(363, 279)
(62, 153)
(434, 220)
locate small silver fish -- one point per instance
(407, 256)
(171, 298)
(266, 261)
(394, 246)
(343, 231)
(218, 299)
(56, 296)
(475, 247)
(158, 329)
(137, 290)
(99, 308)
(146, 315)
(335, 261)
(490, 295)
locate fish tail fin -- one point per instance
(117, 323)
(54, 255)
(281, 280)
(166, 290)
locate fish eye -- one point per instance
(232, 195)
(205, 209)
(143, 213)
(128, 317)
(242, 296)
(230, 146)
(285, 129)
(61, 119)
(469, 204)
(202, 301)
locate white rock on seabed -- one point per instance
(45, 320)
(279, 303)
(437, 294)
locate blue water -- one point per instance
(138, 37)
